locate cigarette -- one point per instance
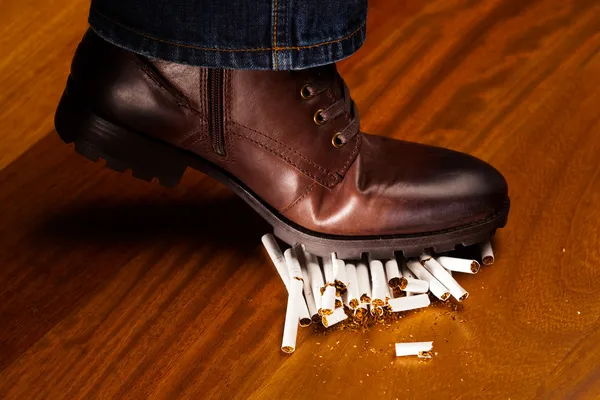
(436, 288)
(379, 286)
(376, 311)
(459, 264)
(444, 277)
(328, 300)
(420, 349)
(306, 284)
(361, 312)
(352, 294)
(276, 256)
(392, 273)
(339, 275)
(295, 273)
(328, 270)
(409, 303)
(316, 278)
(292, 313)
(406, 274)
(338, 316)
(414, 285)
(487, 253)
(364, 282)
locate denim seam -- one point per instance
(275, 35)
(275, 48)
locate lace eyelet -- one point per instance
(318, 117)
(336, 140)
(305, 93)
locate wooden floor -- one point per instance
(115, 288)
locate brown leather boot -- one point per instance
(288, 143)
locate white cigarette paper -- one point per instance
(379, 286)
(414, 285)
(392, 273)
(459, 264)
(487, 253)
(353, 294)
(339, 274)
(444, 277)
(328, 300)
(364, 282)
(306, 284)
(409, 303)
(276, 257)
(436, 288)
(420, 349)
(290, 329)
(338, 316)
(295, 273)
(407, 274)
(328, 270)
(316, 278)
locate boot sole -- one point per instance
(96, 138)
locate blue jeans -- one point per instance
(244, 34)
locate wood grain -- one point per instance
(115, 288)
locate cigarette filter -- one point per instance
(328, 300)
(409, 303)
(295, 272)
(338, 316)
(459, 264)
(436, 288)
(420, 349)
(392, 273)
(353, 294)
(316, 278)
(487, 253)
(276, 257)
(444, 277)
(414, 285)
(290, 328)
(364, 282)
(379, 286)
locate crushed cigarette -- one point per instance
(436, 288)
(364, 282)
(414, 285)
(338, 316)
(364, 292)
(379, 286)
(409, 303)
(457, 291)
(353, 294)
(392, 273)
(419, 349)
(487, 253)
(295, 273)
(459, 265)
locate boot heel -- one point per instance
(95, 138)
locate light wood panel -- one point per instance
(115, 288)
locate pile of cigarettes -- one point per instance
(329, 290)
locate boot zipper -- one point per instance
(215, 110)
